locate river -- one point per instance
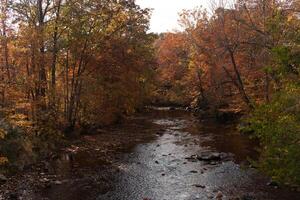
(167, 167)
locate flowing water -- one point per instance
(167, 167)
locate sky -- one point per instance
(165, 14)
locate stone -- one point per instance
(219, 195)
(273, 184)
(44, 180)
(57, 182)
(159, 133)
(213, 163)
(199, 186)
(209, 157)
(192, 158)
(3, 178)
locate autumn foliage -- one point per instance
(241, 59)
(74, 62)
(66, 65)
(225, 58)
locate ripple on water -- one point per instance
(164, 172)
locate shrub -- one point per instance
(277, 126)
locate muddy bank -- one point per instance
(160, 154)
(85, 168)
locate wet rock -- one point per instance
(219, 195)
(159, 133)
(188, 108)
(44, 180)
(3, 178)
(199, 186)
(273, 184)
(57, 182)
(209, 157)
(215, 157)
(192, 158)
(213, 163)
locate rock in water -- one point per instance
(57, 182)
(210, 157)
(273, 184)
(159, 133)
(219, 195)
(3, 178)
(199, 186)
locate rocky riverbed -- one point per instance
(160, 154)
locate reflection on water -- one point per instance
(168, 168)
(160, 169)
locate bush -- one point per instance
(22, 144)
(277, 126)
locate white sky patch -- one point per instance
(165, 12)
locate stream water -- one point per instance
(166, 168)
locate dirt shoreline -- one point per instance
(140, 154)
(87, 159)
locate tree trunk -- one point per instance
(54, 56)
(240, 84)
(42, 81)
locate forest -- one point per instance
(84, 82)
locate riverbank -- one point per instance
(159, 154)
(87, 156)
